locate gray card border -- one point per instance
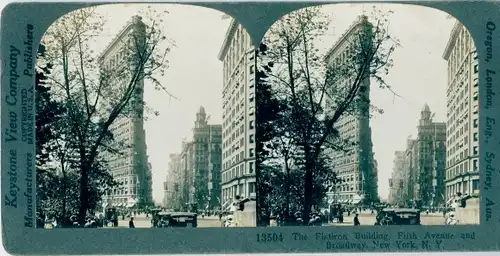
(256, 18)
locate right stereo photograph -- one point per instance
(367, 115)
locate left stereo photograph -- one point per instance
(145, 119)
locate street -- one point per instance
(368, 219)
(140, 221)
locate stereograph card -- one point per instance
(265, 127)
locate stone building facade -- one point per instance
(356, 167)
(238, 128)
(462, 140)
(130, 168)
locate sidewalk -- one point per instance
(208, 217)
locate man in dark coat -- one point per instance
(356, 220)
(131, 223)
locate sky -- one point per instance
(195, 76)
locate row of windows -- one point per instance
(238, 171)
(239, 189)
(117, 58)
(130, 191)
(351, 188)
(463, 45)
(227, 152)
(455, 142)
(462, 168)
(462, 187)
(233, 99)
(238, 45)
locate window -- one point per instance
(475, 185)
(474, 165)
(475, 150)
(251, 111)
(251, 69)
(250, 124)
(476, 69)
(251, 152)
(476, 123)
(251, 138)
(250, 167)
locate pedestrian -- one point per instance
(356, 220)
(115, 220)
(451, 220)
(131, 223)
(220, 216)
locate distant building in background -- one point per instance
(423, 163)
(194, 174)
(131, 168)
(357, 167)
(207, 148)
(187, 177)
(462, 165)
(171, 185)
(396, 183)
(238, 128)
(410, 171)
(431, 143)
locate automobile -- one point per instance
(398, 216)
(175, 219)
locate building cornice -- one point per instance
(452, 40)
(361, 20)
(134, 21)
(227, 40)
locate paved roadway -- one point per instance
(365, 218)
(141, 221)
(368, 219)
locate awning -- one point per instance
(104, 205)
(130, 205)
(356, 201)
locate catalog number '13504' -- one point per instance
(269, 237)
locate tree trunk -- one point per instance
(308, 186)
(287, 191)
(64, 189)
(84, 200)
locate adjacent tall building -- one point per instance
(462, 165)
(238, 128)
(357, 167)
(130, 168)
